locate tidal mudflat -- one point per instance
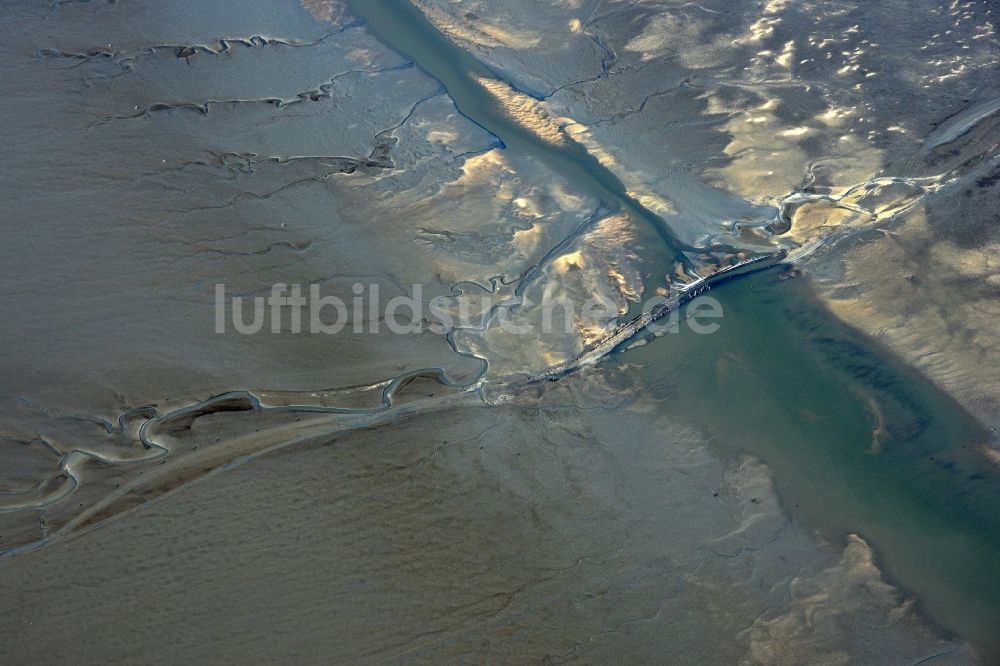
(809, 476)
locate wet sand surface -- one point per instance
(788, 489)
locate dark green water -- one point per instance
(786, 381)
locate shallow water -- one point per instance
(857, 442)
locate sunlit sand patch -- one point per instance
(325, 10)
(507, 38)
(770, 165)
(835, 115)
(565, 198)
(475, 31)
(517, 214)
(441, 137)
(787, 54)
(981, 262)
(528, 241)
(763, 28)
(815, 216)
(684, 33)
(955, 341)
(585, 136)
(362, 55)
(768, 161)
(819, 604)
(639, 188)
(527, 111)
(662, 31)
(526, 207)
(621, 266)
(820, 219)
(485, 169)
(601, 264)
(322, 10)
(652, 201)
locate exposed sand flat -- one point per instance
(449, 536)
(177, 483)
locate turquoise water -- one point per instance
(857, 442)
